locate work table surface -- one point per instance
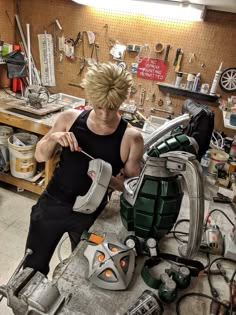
(23, 120)
(87, 299)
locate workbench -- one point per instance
(87, 299)
(39, 126)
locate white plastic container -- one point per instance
(5, 133)
(216, 157)
(22, 161)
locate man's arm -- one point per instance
(132, 165)
(57, 136)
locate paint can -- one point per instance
(22, 161)
(5, 133)
(216, 157)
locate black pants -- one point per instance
(49, 220)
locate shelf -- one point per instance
(8, 178)
(168, 88)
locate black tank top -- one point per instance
(70, 178)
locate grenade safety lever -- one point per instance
(186, 164)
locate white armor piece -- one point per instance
(111, 263)
(100, 172)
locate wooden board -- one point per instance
(47, 109)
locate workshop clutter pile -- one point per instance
(229, 106)
(17, 152)
(219, 162)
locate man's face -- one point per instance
(104, 114)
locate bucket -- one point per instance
(5, 133)
(217, 157)
(22, 148)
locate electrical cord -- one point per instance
(184, 233)
(214, 210)
(217, 141)
(230, 293)
(214, 292)
(197, 294)
(19, 98)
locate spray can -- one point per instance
(216, 80)
(147, 304)
(196, 83)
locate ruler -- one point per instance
(46, 59)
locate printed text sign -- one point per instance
(152, 69)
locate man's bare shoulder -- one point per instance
(65, 119)
(70, 114)
(133, 133)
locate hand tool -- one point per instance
(167, 53)
(178, 51)
(27, 253)
(79, 149)
(180, 56)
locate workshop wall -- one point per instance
(211, 42)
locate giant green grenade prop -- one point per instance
(151, 202)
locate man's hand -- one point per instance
(65, 139)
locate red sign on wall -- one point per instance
(152, 69)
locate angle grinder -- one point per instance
(36, 96)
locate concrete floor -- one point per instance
(15, 210)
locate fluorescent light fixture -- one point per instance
(159, 8)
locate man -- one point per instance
(102, 133)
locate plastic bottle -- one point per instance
(216, 80)
(196, 83)
(190, 80)
(205, 162)
(178, 80)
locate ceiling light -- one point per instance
(159, 8)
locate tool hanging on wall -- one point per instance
(82, 60)
(179, 59)
(167, 53)
(93, 60)
(57, 28)
(142, 99)
(159, 48)
(177, 56)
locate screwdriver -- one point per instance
(79, 149)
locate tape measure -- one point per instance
(159, 47)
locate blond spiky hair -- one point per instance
(107, 85)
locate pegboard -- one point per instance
(211, 42)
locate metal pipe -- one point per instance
(29, 53)
(26, 50)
